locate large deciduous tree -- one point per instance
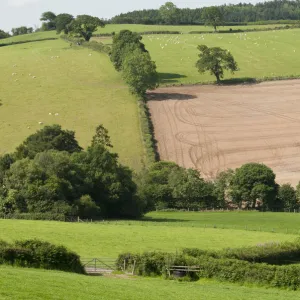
(213, 16)
(84, 26)
(123, 43)
(4, 35)
(49, 20)
(62, 21)
(253, 182)
(139, 72)
(49, 138)
(215, 60)
(169, 13)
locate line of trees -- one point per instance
(165, 185)
(21, 30)
(49, 173)
(130, 57)
(242, 12)
(4, 35)
(83, 25)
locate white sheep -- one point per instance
(90, 54)
(33, 77)
(56, 114)
(41, 123)
(50, 114)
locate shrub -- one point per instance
(38, 254)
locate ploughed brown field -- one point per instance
(213, 128)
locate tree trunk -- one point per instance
(218, 77)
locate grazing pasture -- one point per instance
(108, 239)
(243, 220)
(213, 128)
(260, 55)
(181, 28)
(27, 284)
(49, 82)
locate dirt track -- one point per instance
(213, 128)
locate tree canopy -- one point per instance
(84, 26)
(215, 60)
(4, 35)
(62, 21)
(169, 13)
(253, 182)
(233, 13)
(213, 16)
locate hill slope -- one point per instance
(83, 90)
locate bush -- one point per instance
(34, 216)
(37, 254)
(212, 265)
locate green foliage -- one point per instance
(101, 137)
(253, 182)
(50, 216)
(213, 16)
(166, 185)
(123, 43)
(287, 197)
(61, 22)
(169, 13)
(67, 180)
(37, 254)
(139, 72)
(215, 60)
(4, 35)
(21, 30)
(222, 186)
(49, 19)
(48, 138)
(84, 26)
(212, 266)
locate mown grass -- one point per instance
(27, 284)
(181, 28)
(253, 221)
(108, 239)
(259, 55)
(84, 90)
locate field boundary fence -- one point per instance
(102, 265)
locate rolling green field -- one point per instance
(181, 28)
(253, 221)
(164, 232)
(84, 90)
(27, 284)
(258, 54)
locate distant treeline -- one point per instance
(239, 13)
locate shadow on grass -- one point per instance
(169, 96)
(237, 81)
(163, 220)
(169, 77)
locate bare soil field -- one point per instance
(213, 128)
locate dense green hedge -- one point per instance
(26, 41)
(270, 253)
(148, 133)
(34, 216)
(37, 254)
(97, 46)
(233, 265)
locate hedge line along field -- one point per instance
(258, 54)
(181, 28)
(27, 284)
(109, 239)
(51, 77)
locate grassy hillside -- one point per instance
(181, 28)
(28, 284)
(84, 90)
(108, 239)
(254, 221)
(259, 54)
